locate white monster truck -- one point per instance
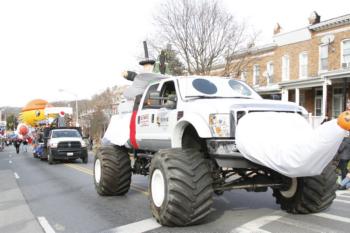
(182, 133)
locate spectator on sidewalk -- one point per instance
(91, 143)
(17, 144)
(344, 156)
(25, 143)
(345, 183)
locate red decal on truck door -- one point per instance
(133, 130)
(133, 122)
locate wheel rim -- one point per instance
(292, 189)
(97, 171)
(157, 188)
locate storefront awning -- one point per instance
(303, 83)
(337, 74)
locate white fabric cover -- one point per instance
(118, 129)
(140, 83)
(286, 143)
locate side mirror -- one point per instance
(155, 95)
(153, 100)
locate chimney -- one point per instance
(314, 18)
(277, 29)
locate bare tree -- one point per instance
(203, 32)
(238, 59)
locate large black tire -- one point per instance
(50, 158)
(85, 157)
(187, 182)
(312, 194)
(115, 171)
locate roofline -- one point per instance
(255, 50)
(330, 23)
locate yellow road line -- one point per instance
(139, 189)
(80, 168)
(90, 172)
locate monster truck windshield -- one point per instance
(215, 87)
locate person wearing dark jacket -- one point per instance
(344, 156)
(17, 144)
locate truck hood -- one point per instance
(68, 139)
(225, 105)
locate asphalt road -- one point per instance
(63, 199)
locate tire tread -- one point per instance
(115, 171)
(189, 187)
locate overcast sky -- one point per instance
(83, 46)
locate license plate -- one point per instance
(70, 153)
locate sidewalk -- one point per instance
(15, 215)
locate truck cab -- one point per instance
(66, 144)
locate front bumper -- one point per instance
(69, 153)
(223, 147)
(226, 154)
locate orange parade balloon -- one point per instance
(35, 104)
(344, 120)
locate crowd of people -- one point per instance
(17, 144)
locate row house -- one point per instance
(309, 66)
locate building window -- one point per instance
(285, 68)
(302, 101)
(318, 102)
(337, 105)
(323, 58)
(303, 62)
(269, 73)
(345, 59)
(256, 74)
(244, 75)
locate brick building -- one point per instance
(309, 66)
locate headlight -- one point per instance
(83, 144)
(219, 125)
(53, 144)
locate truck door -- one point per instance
(145, 119)
(155, 120)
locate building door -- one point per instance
(337, 103)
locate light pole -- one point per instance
(76, 104)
